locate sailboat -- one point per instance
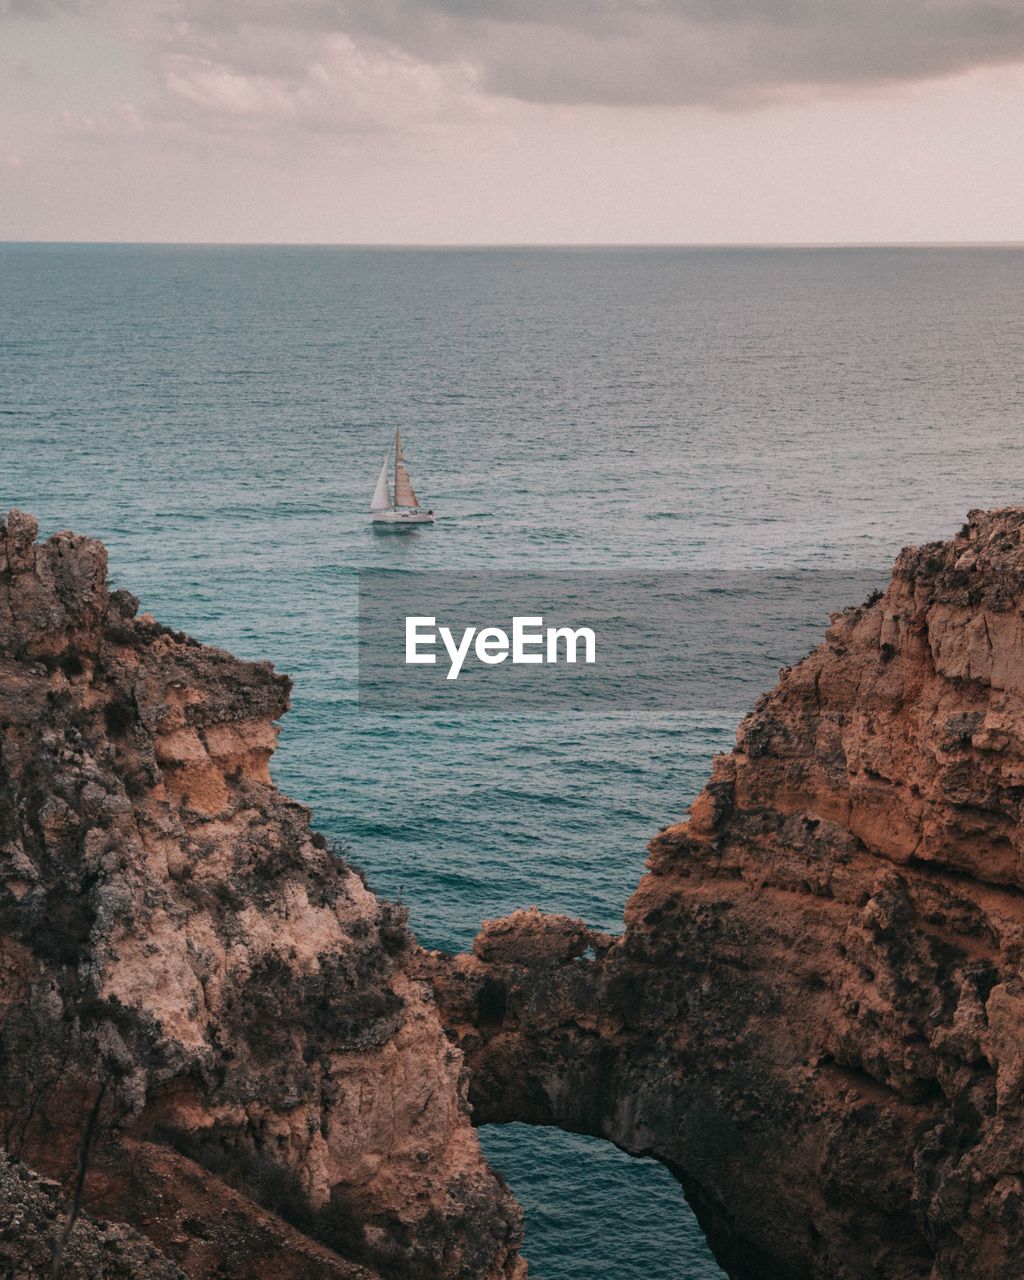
(404, 508)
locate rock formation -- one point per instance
(815, 1015)
(34, 1216)
(208, 1025)
(211, 1031)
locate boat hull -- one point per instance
(401, 519)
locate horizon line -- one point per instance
(441, 245)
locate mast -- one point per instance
(398, 458)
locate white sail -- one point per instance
(381, 500)
(405, 495)
(396, 508)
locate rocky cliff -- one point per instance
(212, 1032)
(815, 1015)
(208, 1025)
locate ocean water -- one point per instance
(218, 416)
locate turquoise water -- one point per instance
(218, 417)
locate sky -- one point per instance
(512, 121)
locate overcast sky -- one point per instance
(478, 121)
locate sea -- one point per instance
(218, 416)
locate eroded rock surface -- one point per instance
(194, 991)
(33, 1214)
(815, 1015)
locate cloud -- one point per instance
(333, 85)
(123, 121)
(715, 52)
(639, 52)
(350, 66)
(40, 8)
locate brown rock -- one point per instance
(815, 1014)
(33, 1215)
(531, 938)
(193, 988)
